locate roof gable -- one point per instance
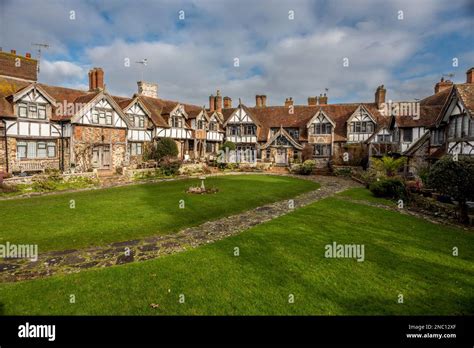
(33, 92)
(318, 115)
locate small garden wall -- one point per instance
(431, 206)
(30, 179)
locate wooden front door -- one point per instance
(101, 156)
(280, 157)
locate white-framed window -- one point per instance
(212, 126)
(102, 116)
(176, 122)
(138, 121)
(362, 127)
(35, 149)
(322, 150)
(250, 129)
(135, 149)
(32, 110)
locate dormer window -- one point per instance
(102, 116)
(250, 130)
(362, 127)
(138, 121)
(32, 110)
(176, 122)
(321, 126)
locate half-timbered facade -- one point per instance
(43, 126)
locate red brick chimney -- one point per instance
(227, 103)
(263, 98)
(442, 85)
(96, 79)
(218, 101)
(212, 103)
(288, 102)
(323, 99)
(28, 55)
(470, 75)
(258, 101)
(13, 52)
(92, 80)
(312, 101)
(380, 93)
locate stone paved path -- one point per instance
(73, 261)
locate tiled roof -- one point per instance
(430, 108)
(276, 116)
(426, 118)
(466, 93)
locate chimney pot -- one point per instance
(13, 51)
(258, 101)
(28, 55)
(442, 85)
(289, 102)
(323, 100)
(264, 100)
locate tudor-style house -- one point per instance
(44, 126)
(443, 124)
(53, 127)
(278, 134)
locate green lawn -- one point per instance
(403, 255)
(362, 194)
(124, 213)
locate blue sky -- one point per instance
(279, 55)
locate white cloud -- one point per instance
(192, 58)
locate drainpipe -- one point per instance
(61, 165)
(6, 147)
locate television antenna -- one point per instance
(143, 62)
(450, 75)
(40, 46)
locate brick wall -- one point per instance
(84, 139)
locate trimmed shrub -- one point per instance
(306, 168)
(454, 179)
(169, 167)
(166, 147)
(343, 171)
(307, 153)
(388, 188)
(228, 144)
